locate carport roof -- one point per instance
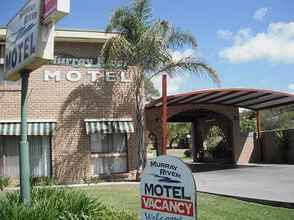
(255, 99)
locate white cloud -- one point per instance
(242, 36)
(174, 84)
(276, 45)
(260, 14)
(291, 86)
(224, 34)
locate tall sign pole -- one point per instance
(164, 114)
(24, 158)
(29, 45)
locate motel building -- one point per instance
(80, 117)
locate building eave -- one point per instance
(75, 35)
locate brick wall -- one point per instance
(274, 150)
(70, 103)
(271, 150)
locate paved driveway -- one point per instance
(263, 182)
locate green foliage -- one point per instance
(271, 119)
(216, 144)
(278, 118)
(43, 181)
(214, 137)
(178, 131)
(148, 44)
(62, 204)
(248, 125)
(4, 182)
(248, 121)
(188, 153)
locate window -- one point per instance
(108, 143)
(40, 160)
(108, 153)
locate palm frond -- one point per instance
(179, 38)
(142, 10)
(117, 48)
(193, 66)
(118, 19)
(149, 46)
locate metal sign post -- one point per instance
(24, 158)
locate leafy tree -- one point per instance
(146, 46)
(248, 121)
(270, 119)
(177, 131)
(278, 118)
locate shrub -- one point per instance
(43, 181)
(188, 153)
(58, 204)
(4, 182)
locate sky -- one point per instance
(249, 43)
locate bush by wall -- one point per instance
(59, 204)
(4, 182)
(42, 181)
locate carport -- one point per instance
(205, 108)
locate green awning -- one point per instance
(34, 128)
(107, 126)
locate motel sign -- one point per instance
(28, 43)
(168, 190)
(30, 36)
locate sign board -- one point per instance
(29, 44)
(54, 10)
(168, 190)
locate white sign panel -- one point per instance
(168, 190)
(28, 43)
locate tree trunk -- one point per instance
(140, 105)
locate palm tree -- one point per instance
(148, 45)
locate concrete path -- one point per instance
(262, 182)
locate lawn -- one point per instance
(209, 206)
(179, 153)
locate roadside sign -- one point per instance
(29, 43)
(30, 36)
(168, 190)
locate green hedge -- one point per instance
(59, 204)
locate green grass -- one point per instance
(179, 153)
(209, 207)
